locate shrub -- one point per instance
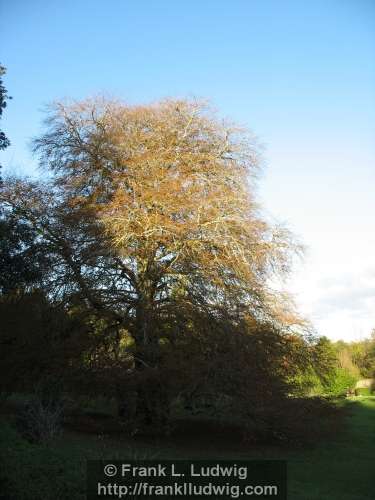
(37, 472)
(41, 419)
(339, 382)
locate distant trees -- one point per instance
(361, 353)
(333, 368)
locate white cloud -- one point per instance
(339, 306)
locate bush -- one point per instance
(37, 472)
(307, 383)
(41, 419)
(339, 382)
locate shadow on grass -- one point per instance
(338, 468)
(344, 468)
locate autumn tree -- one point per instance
(151, 220)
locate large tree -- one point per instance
(150, 217)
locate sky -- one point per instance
(300, 75)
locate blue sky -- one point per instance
(300, 74)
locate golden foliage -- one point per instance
(173, 187)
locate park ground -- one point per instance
(341, 467)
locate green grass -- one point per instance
(341, 467)
(363, 391)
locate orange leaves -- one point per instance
(168, 178)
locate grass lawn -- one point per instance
(341, 468)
